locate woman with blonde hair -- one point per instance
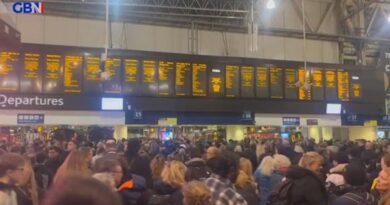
(157, 165)
(245, 183)
(27, 189)
(77, 163)
(169, 187)
(196, 193)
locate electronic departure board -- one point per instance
(53, 72)
(356, 87)
(183, 79)
(317, 80)
(343, 85)
(216, 82)
(166, 78)
(149, 78)
(276, 83)
(262, 82)
(31, 75)
(9, 64)
(330, 84)
(73, 73)
(113, 69)
(131, 76)
(232, 81)
(199, 79)
(247, 81)
(92, 81)
(304, 92)
(290, 79)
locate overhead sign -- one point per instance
(31, 119)
(291, 121)
(311, 122)
(167, 121)
(384, 64)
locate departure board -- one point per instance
(31, 75)
(276, 83)
(304, 93)
(92, 81)
(262, 82)
(356, 87)
(216, 82)
(232, 81)
(317, 80)
(130, 81)
(343, 85)
(149, 78)
(330, 84)
(183, 79)
(73, 74)
(199, 79)
(53, 71)
(9, 63)
(290, 88)
(166, 78)
(247, 81)
(113, 69)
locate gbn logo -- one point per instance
(28, 7)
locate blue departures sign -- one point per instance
(31, 119)
(291, 121)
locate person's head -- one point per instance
(157, 165)
(41, 157)
(110, 146)
(109, 165)
(369, 146)
(12, 168)
(133, 147)
(194, 152)
(87, 153)
(387, 148)
(211, 152)
(100, 150)
(246, 166)
(353, 153)
(243, 181)
(354, 175)
(340, 158)
(77, 190)
(196, 193)
(385, 199)
(385, 161)
(266, 166)
(281, 163)
(225, 165)
(174, 174)
(383, 184)
(71, 146)
(76, 163)
(106, 178)
(311, 161)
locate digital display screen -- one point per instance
(52, 81)
(92, 81)
(130, 84)
(333, 108)
(330, 84)
(31, 79)
(112, 68)
(356, 87)
(166, 78)
(304, 93)
(290, 79)
(183, 79)
(343, 85)
(216, 82)
(9, 63)
(232, 81)
(112, 103)
(247, 81)
(149, 77)
(73, 72)
(276, 79)
(317, 81)
(199, 79)
(262, 82)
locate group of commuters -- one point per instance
(143, 171)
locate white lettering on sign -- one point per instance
(30, 101)
(387, 55)
(387, 68)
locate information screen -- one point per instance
(330, 84)
(166, 78)
(131, 76)
(113, 69)
(183, 79)
(92, 80)
(290, 88)
(276, 79)
(31, 78)
(53, 72)
(317, 80)
(356, 87)
(247, 81)
(149, 77)
(9, 63)
(232, 81)
(304, 93)
(199, 79)
(216, 82)
(73, 73)
(343, 85)
(262, 82)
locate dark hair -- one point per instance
(354, 152)
(194, 153)
(76, 190)
(133, 147)
(341, 158)
(223, 163)
(56, 149)
(386, 159)
(355, 175)
(41, 157)
(105, 164)
(10, 161)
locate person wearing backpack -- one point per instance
(355, 177)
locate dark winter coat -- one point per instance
(140, 165)
(356, 197)
(133, 190)
(249, 194)
(162, 189)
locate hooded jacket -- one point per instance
(308, 189)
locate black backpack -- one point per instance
(281, 194)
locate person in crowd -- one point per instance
(211, 152)
(42, 174)
(79, 190)
(27, 189)
(138, 164)
(307, 188)
(54, 159)
(385, 163)
(355, 177)
(368, 154)
(196, 193)
(286, 150)
(11, 173)
(71, 146)
(77, 163)
(106, 178)
(168, 189)
(156, 166)
(245, 183)
(100, 152)
(260, 152)
(225, 169)
(196, 166)
(269, 174)
(385, 200)
(354, 155)
(335, 182)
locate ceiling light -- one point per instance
(271, 4)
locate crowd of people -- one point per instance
(144, 171)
